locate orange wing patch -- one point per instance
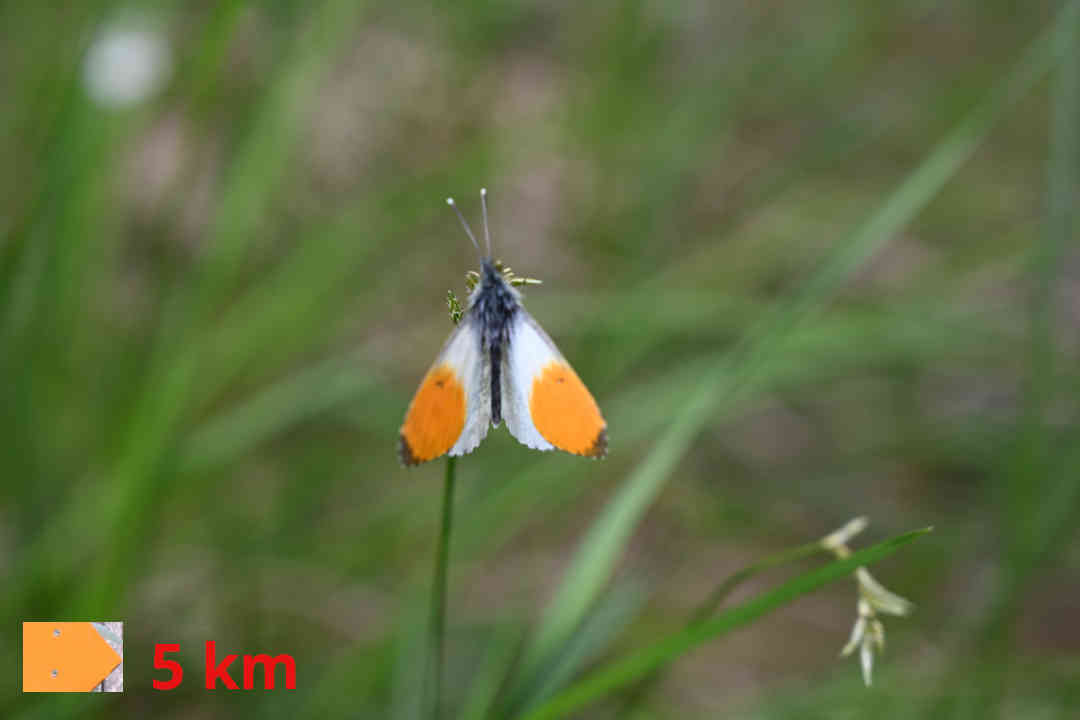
(435, 418)
(565, 413)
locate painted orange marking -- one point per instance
(435, 418)
(565, 413)
(64, 657)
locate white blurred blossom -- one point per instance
(126, 63)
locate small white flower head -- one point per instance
(866, 660)
(868, 634)
(128, 61)
(837, 541)
(858, 633)
(880, 599)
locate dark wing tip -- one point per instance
(405, 453)
(599, 446)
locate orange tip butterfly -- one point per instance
(498, 364)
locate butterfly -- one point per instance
(499, 365)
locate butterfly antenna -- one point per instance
(487, 235)
(468, 230)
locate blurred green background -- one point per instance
(814, 260)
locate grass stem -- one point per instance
(437, 625)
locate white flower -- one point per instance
(880, 599)
(868, 634)
(837, 541)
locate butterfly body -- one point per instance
(494, 303)
(499, 365)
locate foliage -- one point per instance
(813, 260)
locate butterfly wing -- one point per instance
(545, 404)
(451, 410)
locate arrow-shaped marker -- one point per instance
(65, 657)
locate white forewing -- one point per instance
(462, 353)
(528, 351)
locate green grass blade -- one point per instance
(492, 673)
(622, 672)
(1035, 536)
(615, 610)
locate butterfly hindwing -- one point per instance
(544, 402)
(451, 410)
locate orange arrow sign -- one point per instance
(64, 657)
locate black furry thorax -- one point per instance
(493, 307)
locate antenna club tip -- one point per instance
(449, 201)
(483, 191)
